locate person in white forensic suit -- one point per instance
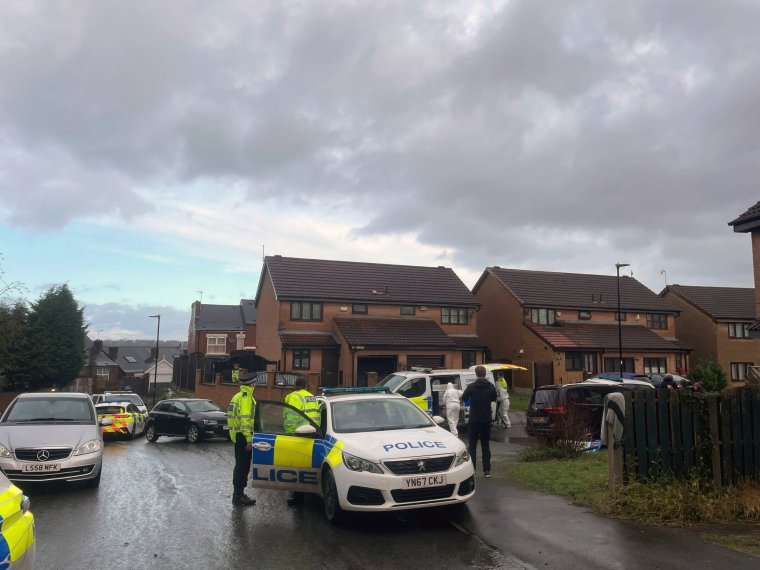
(452, 400)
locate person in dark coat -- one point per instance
(481, 394)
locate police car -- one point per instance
(372, 451)
(127, 419)
(17, 541)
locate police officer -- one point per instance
(303, 400)
(240, 422)
(235, 373)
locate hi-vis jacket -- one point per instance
(301, 400)
(240, 414)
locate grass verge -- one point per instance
(518, 402)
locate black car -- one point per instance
(193, 419)
(582, 404)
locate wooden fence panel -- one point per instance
(639, 421)
(629, 444)
(675, 427)
(652, 451)
(663, 423)
(756, 430)
(736, 438)
(746, 415)
(687, 432)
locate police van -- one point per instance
(370, 451)
(425, 387)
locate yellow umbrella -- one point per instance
(499, 366)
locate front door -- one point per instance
(282, 459)
(543, 374)
(329, 367)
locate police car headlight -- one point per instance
(462, 458)
(90, 447)
(4, 452)
(358, 464)
(210, 422)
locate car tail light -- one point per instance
(556, 410)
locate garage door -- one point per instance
(424, 361)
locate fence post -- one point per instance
(756, 430)
(628, 439)
(715, 441)
(725, 439)
(663, 421)
(615, 466)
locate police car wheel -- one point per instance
(193, 434)
(150, 433)
(333, 511)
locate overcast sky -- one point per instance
(153, 150)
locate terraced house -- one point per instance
(351, 322)
(715, 322)
(563, 327)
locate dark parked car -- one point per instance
(584, 401)
(193, 419)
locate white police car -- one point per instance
(373, 451)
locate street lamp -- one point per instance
(155, 373)
(620, 318)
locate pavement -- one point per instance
(541, 531)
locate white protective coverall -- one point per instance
(452, 401)
(503, 405)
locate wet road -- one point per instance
(168, 505)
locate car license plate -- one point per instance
(540, 420)
(424, 481)
(40, 467)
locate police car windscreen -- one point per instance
(123, 398)
(392, 381)
(203, 406)
(103, 410)
(377, 415)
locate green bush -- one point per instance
(711, 375)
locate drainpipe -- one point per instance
(353, 363)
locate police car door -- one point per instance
(416, 390)
(283, 459)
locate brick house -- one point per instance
(563, 326)
(749, 222)
(221, 329)
(99, 372)
(715, 323)
(349, 322)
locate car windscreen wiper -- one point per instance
(48, 420)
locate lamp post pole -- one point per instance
(155, 373)
(620, 318)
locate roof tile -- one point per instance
(318, 279)
(579, 291)
(720, 303)
(308, 338)
(595, 336)
(752, 214)
(393, 332)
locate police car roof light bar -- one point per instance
(356, 390)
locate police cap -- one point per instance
(248, 379)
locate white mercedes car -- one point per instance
(373, 451)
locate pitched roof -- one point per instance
(720, 303)
(137, 358)
(308, 339)
(468, 341)
(349, 281)
(577, 291)
(748, 220)
(220, 318)
(248, 306)
(590, 336)
(393, 332)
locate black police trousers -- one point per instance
(242, 464)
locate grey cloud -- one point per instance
(112, 318)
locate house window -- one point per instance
(216, 344)
(359, 309)
(101, 372)
(407, 310)
(739, 370)
(589, 363)
(468, 358)
(542, 316)
(584, 315)
(301, 359)
(613, 364)
(573, 361)
(621, 316)
(453, 316)
(679, 363)
(738, 330)
(655, 366)
(305, 311)
(657, 321)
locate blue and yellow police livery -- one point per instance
(17, 541)
(369, 451)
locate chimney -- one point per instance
(196, 309)
(153, 353)
(113, 352)
(98, 344)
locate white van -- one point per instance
(425, 387)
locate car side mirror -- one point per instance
(306, 429)
(438, 420)
(105, 422)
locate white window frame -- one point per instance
(738, 330)
(739, 370)
(213, 347)
(543, 316)
(102, 372)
